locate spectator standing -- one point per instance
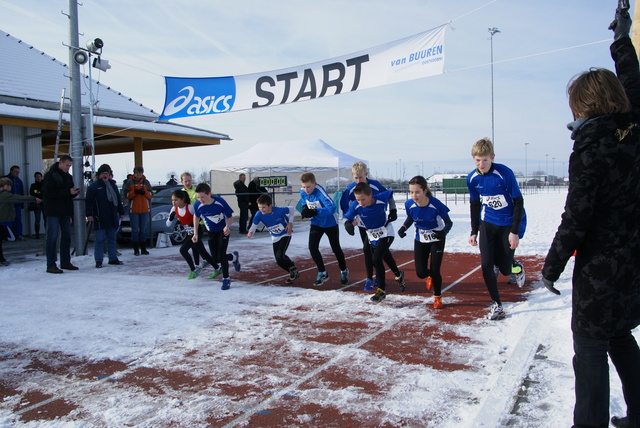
(138, 191)
(255, 191)
(104, 209)
(7, 212)
(17, 188)
(35, 190)
(59, 189)
(244, 202)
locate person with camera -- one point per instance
(104, 209)
(59, 192)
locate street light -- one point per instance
(525, 164)
(553, 165)
(492, 31)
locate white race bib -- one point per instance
(497, 202)
(426, 236)
(378, 233)
(314, 205)
(276, 229)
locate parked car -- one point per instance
(160, 209)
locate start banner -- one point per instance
(414, 57)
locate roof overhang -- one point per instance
(111, 135)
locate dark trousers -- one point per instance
(333, 233)
(55, 225)
(495, 251)
(591, 369)
(218, 244)
(197, 249)
(421, 253)
(244, 216)
(380, 254)
(366, 249)
(280, 250)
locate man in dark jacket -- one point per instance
(104, 209)
(17, 188)
(255, 190)
(59, 192)
(242, 193)
(601, 223)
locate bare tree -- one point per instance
(203, 177)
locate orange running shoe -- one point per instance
(437, 302)
(429, 283)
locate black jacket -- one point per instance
(105, 214)
(241, 192)
(602, 215)
(56, 186)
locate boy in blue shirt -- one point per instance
(319, 207)
(217, 216)
(371, 210)
(360, 174)
(497, 212)
(279, 223)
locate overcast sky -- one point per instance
(426, 125)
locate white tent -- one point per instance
(290, 156)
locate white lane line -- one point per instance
(288, 389)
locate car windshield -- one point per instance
(163, 197)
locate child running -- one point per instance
(497, 213)
(279, 223)
(217, 216)
(360, 174)
(319, 207)
(432, 222)
(372, 211)
(182, 210)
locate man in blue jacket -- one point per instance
(104, 209)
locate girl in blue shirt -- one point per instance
(432, 223)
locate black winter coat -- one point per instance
(56, 186)
(105, 214)
(602, 215)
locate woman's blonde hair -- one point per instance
(596, 92)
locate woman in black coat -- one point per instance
(601, 223)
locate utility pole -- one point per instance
(76, 144)
(492, 31)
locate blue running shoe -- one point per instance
(321, 278)
(344, 277)
(226, 284)
(369, 285)
(236, 261)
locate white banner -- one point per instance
(414, 57)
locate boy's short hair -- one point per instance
(361, 188)
(595, 93)
(308, 177)
(359, 168)
(185, 174)
(138, 169)
(203, 188)
(482, 147)
(4, 181)
(264, 200)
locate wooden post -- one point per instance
(137, 151)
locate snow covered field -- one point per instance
(147, 312)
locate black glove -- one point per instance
(139, 191)
(309, 212)
(349, 227)
(393, 216)
(402, 232)
(439, 234)
(621, 25)
(550, 286)
(172, 216)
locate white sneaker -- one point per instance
(496, 312)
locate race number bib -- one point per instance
(314, 205)
(426, 236)
(378, 233)
(276, 229)
(497, 202)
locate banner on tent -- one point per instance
(414, 57)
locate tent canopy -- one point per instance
(290, 156)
